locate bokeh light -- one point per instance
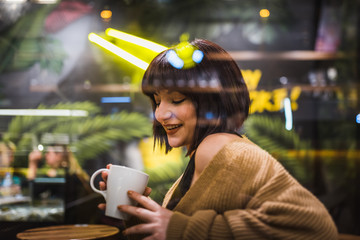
(40, 147)
(264, 13)
(106, 15)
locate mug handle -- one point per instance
(97, 172)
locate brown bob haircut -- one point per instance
(215, 86)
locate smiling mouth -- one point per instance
(172, 127)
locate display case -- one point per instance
(37, 200)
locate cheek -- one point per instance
(157, 114)
(190, 115)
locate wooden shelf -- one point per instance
(117, 88)
(109, 88)
(285, 55)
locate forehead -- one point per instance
(54, 149)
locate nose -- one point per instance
(163, 113)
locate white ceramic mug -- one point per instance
(120, 180)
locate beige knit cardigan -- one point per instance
(244, 193)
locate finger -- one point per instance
(102, 186)
(139, 229)
(108, 166)
(143, 200)
(139, 212)
(147, 191)
(102, 206)
(152, 237)
(104, 175)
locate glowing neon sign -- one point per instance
(273, 101)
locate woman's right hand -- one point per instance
(102, 206)
(102, 186)
(35, 157)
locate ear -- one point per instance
(64, 164)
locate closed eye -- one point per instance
(179, 101)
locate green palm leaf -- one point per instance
(90, 135)
(270, 134)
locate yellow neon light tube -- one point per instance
(135, 40)
(118, 51)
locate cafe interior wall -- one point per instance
(46, 58)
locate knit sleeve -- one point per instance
(270, 220)
(205, 224)
(250, 198)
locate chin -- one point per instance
(175, 144)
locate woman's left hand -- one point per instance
(156, 218)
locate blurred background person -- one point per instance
(60, 162)
(57, 157)
(9, 183)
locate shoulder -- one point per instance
(231, 150)
(213, 143)
(210, 146)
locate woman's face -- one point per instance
(176, 113)
(54, 156)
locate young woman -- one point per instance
(57, 156)
(231, 189)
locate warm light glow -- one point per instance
(106, 14)
(44, 112)
(117, 51)
(135, 40)
(264, 13)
